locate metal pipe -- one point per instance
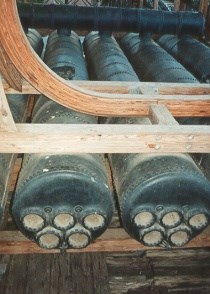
(110, 19)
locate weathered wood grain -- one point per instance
(8, 70)
(113, 240)
(125, 88)
(159, 114)
(6, 120)
(55, 138)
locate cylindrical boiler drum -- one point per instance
(165, 198)
(63, 201)
(152, 63)
(193, 54)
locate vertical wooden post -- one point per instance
(177, 5)
(156, 2)
(203, 7)
(6, 120)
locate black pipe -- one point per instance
(110, 19)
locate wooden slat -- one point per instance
(181, 99)
(53, 138)
(8, 180)
(203, 7)
(177, 5)
(155, 4)
(6, 120)
(159, 114)
(125, 87)
(113, 240)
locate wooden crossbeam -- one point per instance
(155, 88)
(159, 114)
(181, 100)
(113, 240)
(53, 138)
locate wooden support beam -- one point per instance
(6, 120)
(8, 70)
(183, 6)
(155, 4)
(186, 100)
(203, 7)
(154, 88)
(113, 240)
(7, 185)
(177, 5)
(39, 138)
(159, 114)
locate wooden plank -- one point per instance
(125, 87)
(56, 88)
(177, 5)
(7, 183)
(203, 7)
(115, 273)
(6, 120)
(155, 4)
(8, 70)
(10, 172)
(113, 240)
(159, 114)
(181, 101)
(61, 139)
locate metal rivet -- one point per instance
(48, 209)
(78, 208)
(190, 137)
(159, 207)
(157, 147)
(188, 146)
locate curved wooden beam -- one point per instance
(48, 83)
(8, 71)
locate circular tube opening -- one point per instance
(198, 221)
(63, 221)
(153, 238)
(33, 222)
(144, 219)
(94, 221)
(180, 238)
(78, 240)
(49, 241)
(171, 219)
